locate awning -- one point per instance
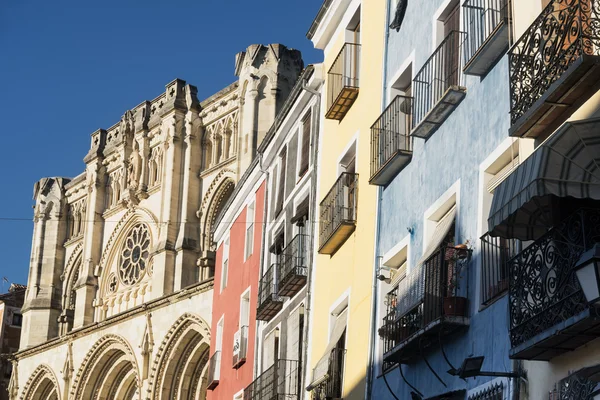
(565, 165)
(411, 289)
(321, 370)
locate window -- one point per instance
(245, 309)
(281, 181)
(496, 251)
(225, 269)
(305, 144)
(271, 349)
(249, 231)
(17, 319)
(219, 337)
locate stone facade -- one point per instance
(120, 283)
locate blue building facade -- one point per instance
(434, 201)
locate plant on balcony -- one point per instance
(457, 258)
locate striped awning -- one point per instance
(321, 370)
(411, 289)
(565, 165)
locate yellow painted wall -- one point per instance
(351, 267)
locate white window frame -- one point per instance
(219, 334)
(439, 209)
(245, 295)
(224, 266)
(249, 234)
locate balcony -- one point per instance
(391, 144)
(338, 213)
(214, 370)
(342, 82)
(427, 305)
(438, 87)
(579, 385)
(486, 23)
(293, 268)
(280, 382)
(269, 301)
(496, 252)
(240, 347)
(549, 315)
(332, 386)
(554, 67)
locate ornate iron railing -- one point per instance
(440, 72)
(481, 18)
(441, 296)
(267, 290)
(391, 132)
(214, 369)
(496, 252)
(343, 72)
(240, 353)
(338, 206)
(494, 392)
(332, 387)
(573, 387)
(293, 260)
(279, 382)
(544, 289)
(564, 31)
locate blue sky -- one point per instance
(69, 67)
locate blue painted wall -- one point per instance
(455, 151)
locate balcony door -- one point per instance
(451, 58)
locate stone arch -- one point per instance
(131, 217)
(108, 371)
(215, 205)
(181, 361)
(41, 385)
(69, 295)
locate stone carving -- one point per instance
(134, 169)
(42, 381)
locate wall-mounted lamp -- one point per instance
(471, 367)
(588, 274)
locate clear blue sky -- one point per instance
(70, 67)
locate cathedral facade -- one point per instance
(119, 298)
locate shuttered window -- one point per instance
(281, 187)
(306, 122)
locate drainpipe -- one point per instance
(262, 255)
(313, 199)
(375, 296)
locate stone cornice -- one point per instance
(150, 306)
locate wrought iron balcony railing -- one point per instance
(332, 387)
(214, 370)
(293, 268)
(576, 386)
(554, 66)
(391, 143)
(486, 23)
(342, 81)
(548, 311)
(338, 213)
(281, 381)
(496, 253)
(240, 347)
(414, 314)
(438, 87)
(269, 301)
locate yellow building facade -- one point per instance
(351, 33)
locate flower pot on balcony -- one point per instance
(455, 306)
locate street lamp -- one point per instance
(471, 367)
(588, 274)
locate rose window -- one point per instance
(134, 256)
